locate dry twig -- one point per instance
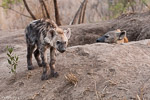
(17, 12)
(27, 7)
(138, 97)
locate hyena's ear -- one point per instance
(122, 35)
(53, 33)
(67, 33)
(50, 36)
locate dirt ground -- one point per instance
(104, 71)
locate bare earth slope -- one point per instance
(104, 71)
(107, 71)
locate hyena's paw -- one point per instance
(30, 67)
(40, 64)
(55, 74)
(45, 76)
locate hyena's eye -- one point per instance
(58, 42)
(106, 36)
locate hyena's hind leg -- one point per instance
(37, 57)
(30, 49)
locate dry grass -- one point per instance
(72, 78)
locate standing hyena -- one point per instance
(117, 36)
(45, 34)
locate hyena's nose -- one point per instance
(101, 39)
(97, 40)
(63, 50)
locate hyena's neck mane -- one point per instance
(44, 25)
(50, 23)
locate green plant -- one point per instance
(120, 6)
(12, 60)
(7, 3)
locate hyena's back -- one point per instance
(37, 29)
(32, 33)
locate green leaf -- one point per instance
(12, 58)
(10, 50)
(9, 61)
(15, 66)
(8, 55)
(12, 70)
(8, 3)
(17, 58)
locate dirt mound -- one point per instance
(87, 33)
(107, 71)
(137, 26)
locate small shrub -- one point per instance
(12, 60)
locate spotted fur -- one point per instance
(44, 34)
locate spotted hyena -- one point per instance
(43, 34)
(117, 36)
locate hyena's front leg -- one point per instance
(46, 69)
(30, 49)
(37, 57)
(52, 62)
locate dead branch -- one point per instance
(131, 4)
(27, 7)
(81, 11)
(83, 14)
(18, 12)
(145, 4)
(44, 5)
(78, 13)
(57, 17)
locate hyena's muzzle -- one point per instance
(61, 46)
(101, 39)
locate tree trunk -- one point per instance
(44, 5)
(26, 5)
(57, 17)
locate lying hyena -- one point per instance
(117, 36)
(45, 34)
